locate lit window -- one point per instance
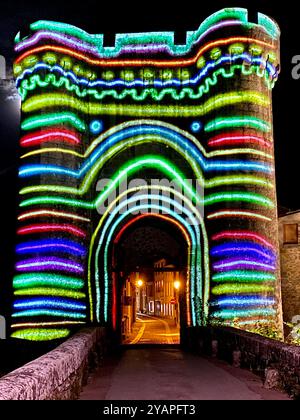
(290, 234)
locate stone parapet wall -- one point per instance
(276, 362)
(59, 374)
(290, 263)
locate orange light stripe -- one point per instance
(156, 63)
(141, 216)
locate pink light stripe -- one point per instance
(51, 228)
(242, 235)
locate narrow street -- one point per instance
(168, 373)
(150, 330)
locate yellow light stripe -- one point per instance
(139, 334)
(236, 213)
(52, 150)
(227, 152)
(32, 214)
(37, 102)
(46, 324)
(50, 291)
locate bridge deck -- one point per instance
(168, 373)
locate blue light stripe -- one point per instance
(51, 245)
(49, 303)
(164, 132)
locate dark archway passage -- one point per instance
(150, 273)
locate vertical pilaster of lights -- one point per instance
(244, 235)
(51, 255)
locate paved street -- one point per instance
(168, 373)
(150, 330)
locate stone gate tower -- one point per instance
(201, 110)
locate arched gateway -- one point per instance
(194, 118)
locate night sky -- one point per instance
(142, 17)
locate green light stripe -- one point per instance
(225, 289)
(38, 102)
(236, 122)
(34, 334)
(47, 120)
(39, 279)
(243, 276)
(35, 81)
(165, 38)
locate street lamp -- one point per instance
(177, 285)
(139, 283)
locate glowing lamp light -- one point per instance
(177, 285)
(140, 283)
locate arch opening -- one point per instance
(158, 204)
(150, 271)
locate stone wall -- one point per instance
(290, 271)
(290, 283)
(60, 374)
(277, 363)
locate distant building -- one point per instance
(166, 295)
(289, 237)
(134, 300)
(128, 304)
(8, 90)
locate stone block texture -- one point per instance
(58, 375)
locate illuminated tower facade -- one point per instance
(200, 111)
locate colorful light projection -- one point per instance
(86, 107)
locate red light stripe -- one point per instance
(141, 216)
(231, 139)
(241, 234)
(53, 135)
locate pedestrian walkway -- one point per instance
(168, 373)
(153, 330)
(171, 374)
